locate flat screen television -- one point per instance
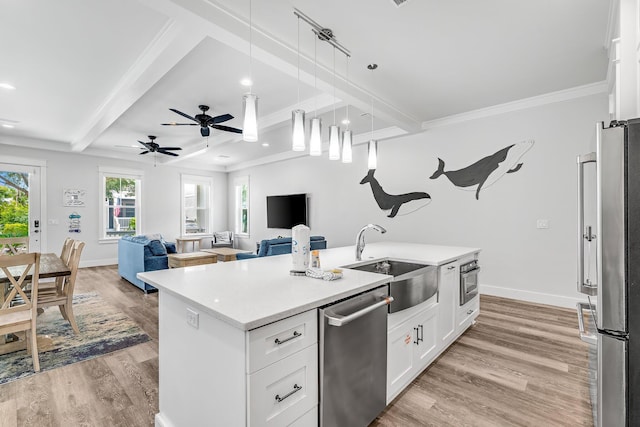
(286, 211)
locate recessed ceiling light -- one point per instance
(265, 144)
(246, 82)
(7, 86)
(8, 126)
(346, 121)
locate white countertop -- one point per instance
(252, 293)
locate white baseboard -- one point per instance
(98, 262)
(537, 297)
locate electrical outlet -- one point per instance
(192, 317)
(542, 223)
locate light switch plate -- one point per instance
(192, 317)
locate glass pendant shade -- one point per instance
(250, 121)
(334, 142)
(297, 122)
(346, 147)
(372, 162)
(315, 142)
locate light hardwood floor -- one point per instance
(520, 365)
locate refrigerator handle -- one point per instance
(585, 336)
(583, 287)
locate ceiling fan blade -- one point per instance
(145, 152)
(204, 131)
(170, 148)
(183, 114)
(227, 128)
(179, 124)
(220, 119)
(161, 150)
(147, 146)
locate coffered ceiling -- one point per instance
(96, 76)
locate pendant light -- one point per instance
(249, 100)
(346, 135)
(372, 160)
(334, 130)
(297, 115)
(315, 142)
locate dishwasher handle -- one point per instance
(343, 320)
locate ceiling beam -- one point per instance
(225, 26)
(168, 48)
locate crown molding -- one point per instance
(522, 104)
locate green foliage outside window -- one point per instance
(14, 204)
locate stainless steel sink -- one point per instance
(412, 282)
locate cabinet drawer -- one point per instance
(310, 419)
(284, 391)
(467, 313)
(273, 342)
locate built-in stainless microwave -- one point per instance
(468, 281)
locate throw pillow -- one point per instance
(157, 248)
(222, 237)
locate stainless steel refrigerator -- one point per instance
(614, 298)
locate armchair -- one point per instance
(222, 239)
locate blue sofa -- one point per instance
(282, 245)
(142, 253)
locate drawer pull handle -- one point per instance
(470, 311)
(296, 388)
(451, 268)
(296, 334)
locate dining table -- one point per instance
(51, 266)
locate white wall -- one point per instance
(160, 198)
(518, 260)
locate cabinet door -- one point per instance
(467, 314)
(426, 329)
(449, 277)
(400, 360)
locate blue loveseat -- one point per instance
(282, 245)
(142, 253)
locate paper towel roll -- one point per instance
(300, 247)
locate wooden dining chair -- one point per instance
(14, 245)
(21, 316)
(62, 295)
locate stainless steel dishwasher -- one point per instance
(353, 359)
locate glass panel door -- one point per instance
(20, 203)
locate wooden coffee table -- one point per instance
(226, 254)
(191, 258)
(181, 243)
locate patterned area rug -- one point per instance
(103, 329)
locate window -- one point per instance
(241, 190)
(196, 205)
(121, 211)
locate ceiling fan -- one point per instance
(152, 147)
(204, 121)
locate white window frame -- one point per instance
(238, 182)
(111, 172)
(198, 180)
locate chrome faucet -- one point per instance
(360, 238)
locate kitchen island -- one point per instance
(232, 334)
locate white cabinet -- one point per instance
(411, 346)
(449, 288)
(282, 371)
(284, 391)
(467, 314)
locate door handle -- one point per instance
(588, 287)
(585, 336)
(343, 320)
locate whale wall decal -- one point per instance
(393, 202)
(487, 170)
